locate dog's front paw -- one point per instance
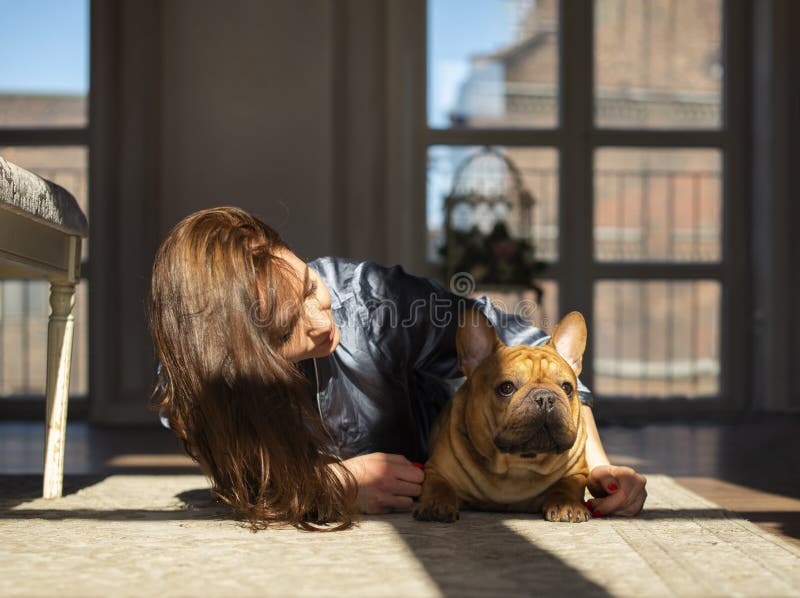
(566, 510)
(439, 501)
(436, 511)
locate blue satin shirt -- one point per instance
(395, 366)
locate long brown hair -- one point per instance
(221, 303)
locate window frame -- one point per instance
(21, 407)
(576, 138)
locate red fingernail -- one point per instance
(418, 465)
(612, 487)
(596, 514)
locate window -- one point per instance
(44, 84)
(616, 114)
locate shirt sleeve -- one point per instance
(428, 319)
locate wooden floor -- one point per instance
(751, 467)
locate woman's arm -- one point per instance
(386, 482)
(617, 490)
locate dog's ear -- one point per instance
(569, 339)
(475, 341)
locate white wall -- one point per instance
(246, 114)
(194, 104)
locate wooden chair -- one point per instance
(41, 227)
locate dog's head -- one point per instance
(528, 395)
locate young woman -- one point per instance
(306, 391)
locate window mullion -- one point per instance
(576, 202)
(44, 136)
(658, 270)
(507, 137)
(736, 380)
(659, 138)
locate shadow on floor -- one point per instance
(755, 451)
(786, 522)
(484, 557)
(199, 498)
(112, 514)
(18, 489)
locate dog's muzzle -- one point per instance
(544, 400)
(539, 424)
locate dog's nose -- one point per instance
(544, 400)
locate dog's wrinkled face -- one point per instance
(528, 395)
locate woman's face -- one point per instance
(316, 334)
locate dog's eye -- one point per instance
(567, 388)
(506, 389)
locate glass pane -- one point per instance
(24, 310)
(657, 205)
(484, 173)
(65, 166)
(44, 74)
(540, 313)
(657, 338)
(25, 304)
(492, 63)
(658, 63)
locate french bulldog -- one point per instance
(512, 438)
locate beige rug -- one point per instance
(159, 535)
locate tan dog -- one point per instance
(512, 438)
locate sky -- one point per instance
(44, 46)
(458, 29)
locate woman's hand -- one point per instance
(616, 491)
(385, 482)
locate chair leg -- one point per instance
(59, 358)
